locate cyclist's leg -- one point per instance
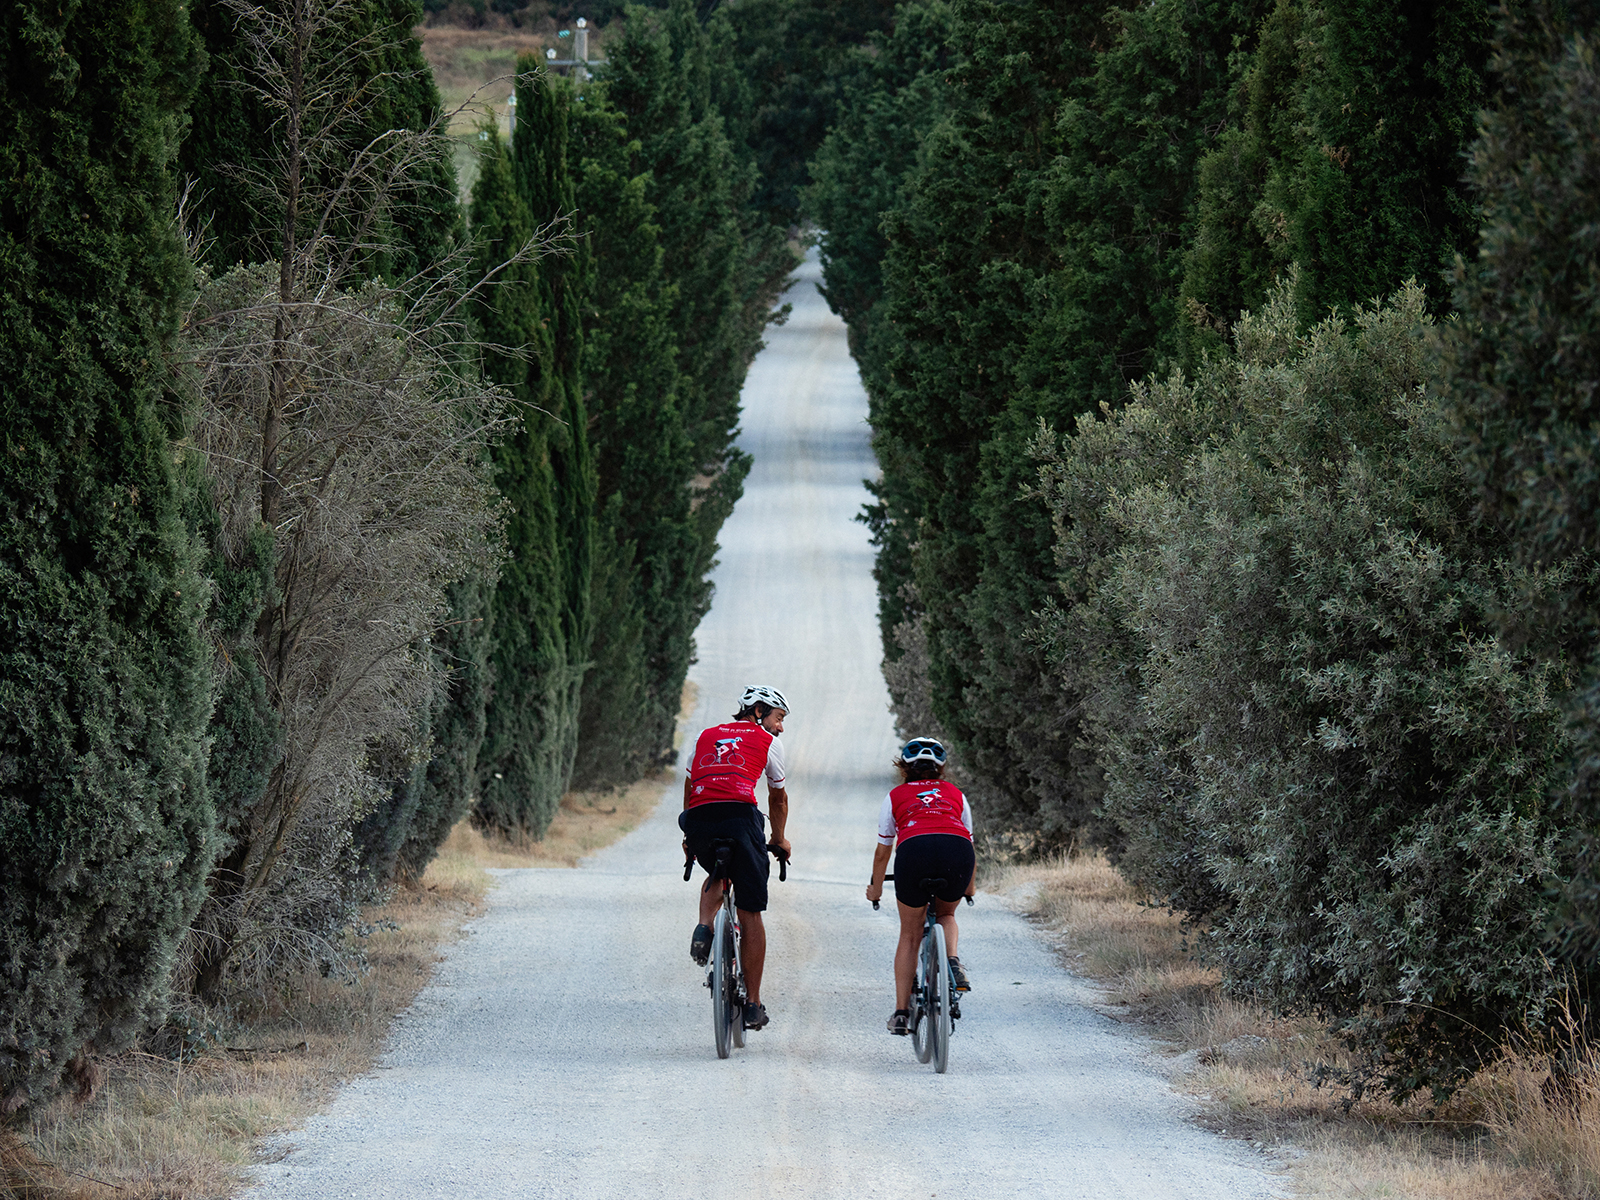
(947, 921)
(905, 953)
(711, 899)
(751, 868)
(957, 863)
(752, 952)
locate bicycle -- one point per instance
(931, 994)
(725, 968)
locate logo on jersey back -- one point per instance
(930, 797)
(724, 753)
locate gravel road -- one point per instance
(564, 1048)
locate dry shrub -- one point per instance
(1541, 1102)
(188, 1125)
(585, 822)
(25, 1176)
(1136, 949)
(1509, 1135)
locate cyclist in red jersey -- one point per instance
(719, 801)
(927, 824)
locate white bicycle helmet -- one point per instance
(771, 697)
(923, 749)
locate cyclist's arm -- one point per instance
(686, 791)
(778, 813)
(880, 864)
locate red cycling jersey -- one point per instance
(927, 806)
(729, 760)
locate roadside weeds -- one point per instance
(160, 1128)
(1498, 1138)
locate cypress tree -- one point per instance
(458, 720)
(1348, 160)
(1032, 270)
(648, 539)
(541, 609)
(792, 56)
(1521, 372)
(725, 270)
(106, 827)
(892, 99)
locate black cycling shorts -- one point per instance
(746, 827)
(946, 856)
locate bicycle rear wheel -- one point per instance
(921, 1003)
(939, 1018)
(722, 985)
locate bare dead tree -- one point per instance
(344, 414)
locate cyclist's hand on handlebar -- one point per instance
(874, 892)
(781, 844)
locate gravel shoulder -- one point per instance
(564, 1047)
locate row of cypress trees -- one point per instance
(1246, 598)
(147, 824)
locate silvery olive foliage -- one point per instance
(1283, 606)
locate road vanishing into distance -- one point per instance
(564, 1047)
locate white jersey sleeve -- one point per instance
(966, 812)
(774, 767)
(886, 826)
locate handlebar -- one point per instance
(782, 855)
(890, 876)
(773, 848)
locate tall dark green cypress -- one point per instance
(458, 720)
(1345, 157)
(725, 269)
(1521, 371)
(784, 95)
(648, 540)
(541, 609)
(106, 828)
(892, 98)
(1031, 271)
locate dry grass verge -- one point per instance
(1499, 1138)
(159, 1128)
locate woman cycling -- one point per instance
(932, 823)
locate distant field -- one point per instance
(464, 61)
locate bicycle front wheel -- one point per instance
(939, 1018)
(736, 970)
(722, 985)
(921, 1002)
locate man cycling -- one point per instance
(719, 801)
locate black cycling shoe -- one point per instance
(900, 1022)
(958, 976)
(755, 1016)
(700, 945)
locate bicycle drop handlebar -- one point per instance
(773, 848)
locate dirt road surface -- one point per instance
(564, 1048)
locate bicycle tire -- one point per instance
(722, 984)
(940, 1031)
(921, 1006)
(737, 972)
